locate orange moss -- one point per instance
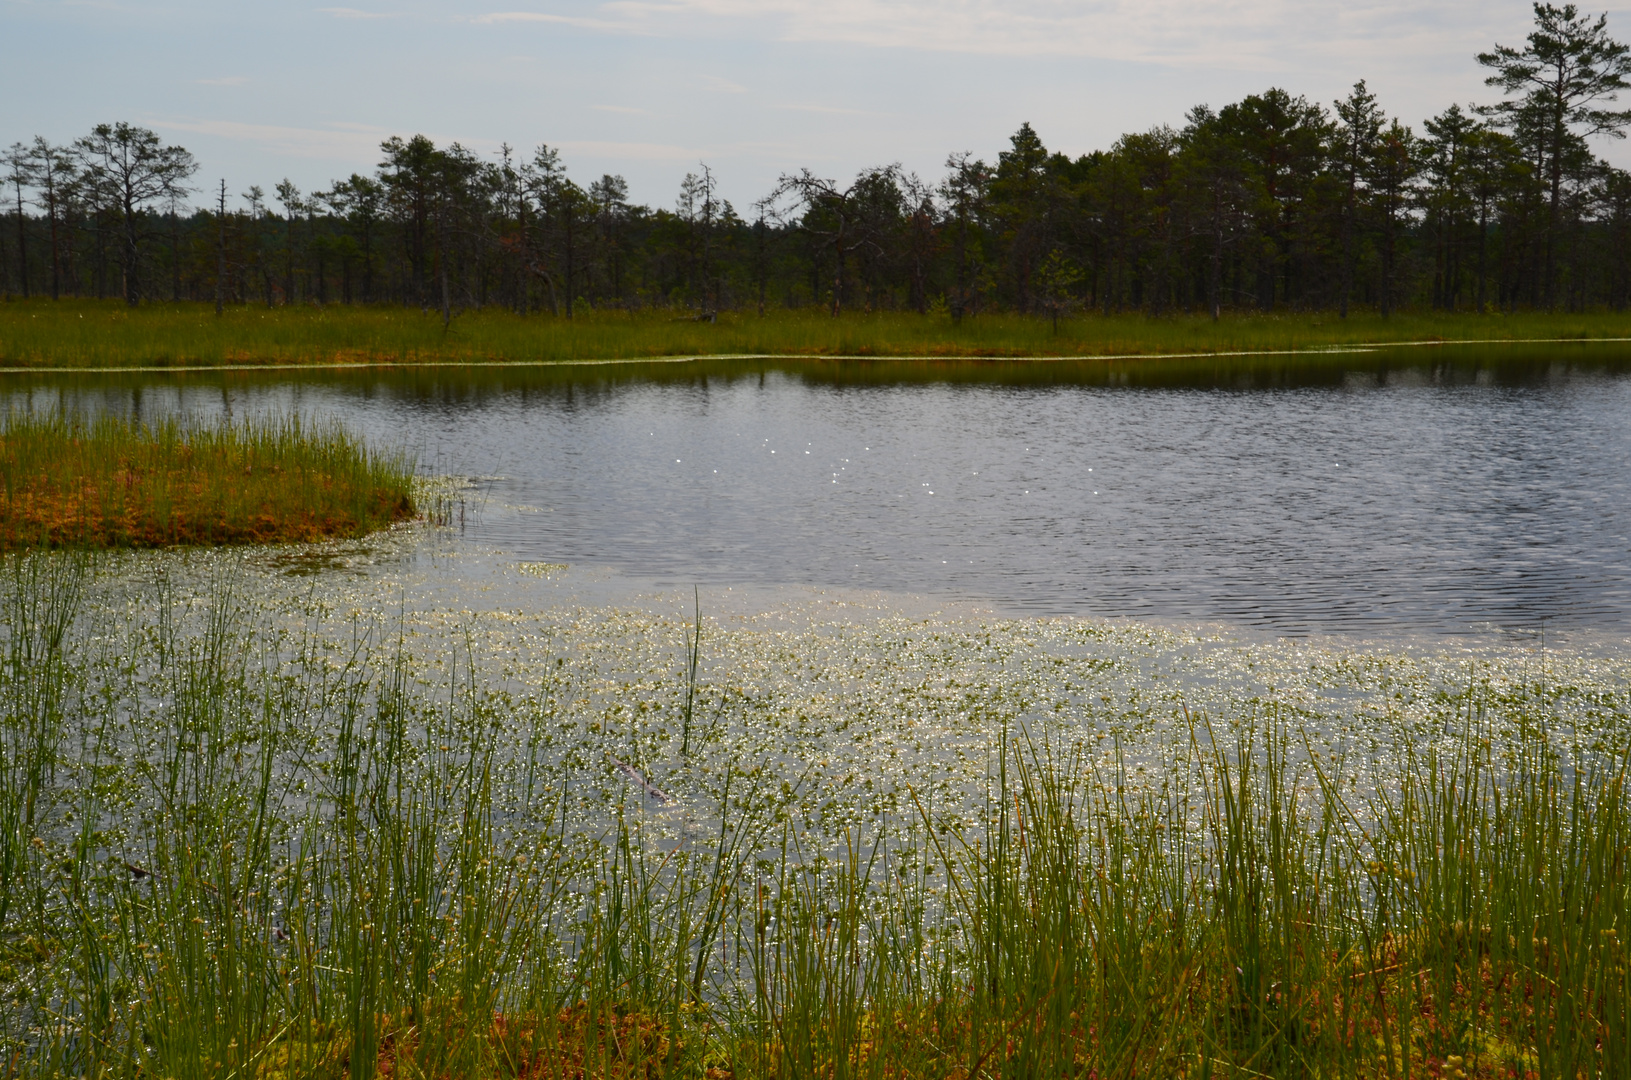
(612, 1042)
(577, 1043)
(136, 491)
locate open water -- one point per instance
(1426, 492)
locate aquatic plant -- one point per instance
(112, 481)
(256, 825)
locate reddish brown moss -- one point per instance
(113, 483)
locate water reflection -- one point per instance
(1372, 492)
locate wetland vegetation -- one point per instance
(252, 824)
(92, 334)
(108, 480)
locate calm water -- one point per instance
(1373, 494)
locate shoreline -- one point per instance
(1338, 349)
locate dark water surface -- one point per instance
(1438, 491)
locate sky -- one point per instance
(650, 89)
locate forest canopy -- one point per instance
(1272, 202)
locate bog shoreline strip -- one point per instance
(320, 365)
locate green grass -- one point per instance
(229, 853)
(69, 481)
(107, 334)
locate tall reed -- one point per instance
(219, 859)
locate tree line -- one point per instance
(1272, 202)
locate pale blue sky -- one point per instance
(648, 88)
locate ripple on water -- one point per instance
(1384, 495)
(830, 711)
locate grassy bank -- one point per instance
(107, 334)
(232, 850)
(67, 481)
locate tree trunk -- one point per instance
(838, 270)
(368, 262)
(22, 241)
(56, 253)
(1387, 268)
(175, 257)
(571, 266)
(1556, 185)
(447, 302)
(101, 273)
(762, 268)
(220, 248)
(523, 297)
(1216, 275)
(1483, 250)
(288, 262)
(441, 260)
(132, 292)
(1216, 281)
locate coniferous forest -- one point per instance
(1274, 202)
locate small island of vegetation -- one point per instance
(112, 481)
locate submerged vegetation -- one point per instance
(251, 827)
(94, 334)
(114, 481)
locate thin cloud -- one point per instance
(1268, 35)
(829, 110)
(628, 109)
(336, 141)
(724, 86)
(582, 23)
(632, 151)
(358, 13)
